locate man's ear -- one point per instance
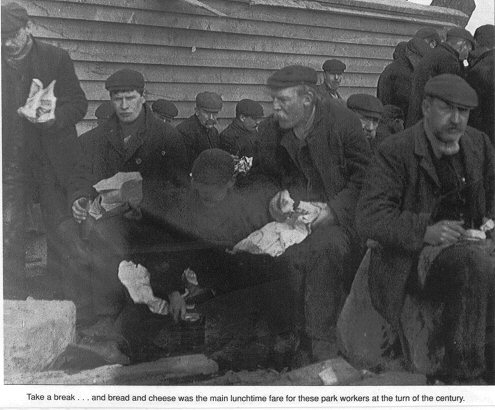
(309, 98)
(242, 117)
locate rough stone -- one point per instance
(392, 379)
(152, 373)
(330, 372)
(36, 332)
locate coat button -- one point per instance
(163, 153)
(138, 161)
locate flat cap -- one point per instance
(485, 36)
(249, 108)
(427, 32)
(14, 17)
(165, 108)
(334, 66)
(392, 112)
(452, 89)
(209, 101)
(125, 80)
(213, 167)
(458, 32)
(292, 76)
(104, 110)
(366, 104)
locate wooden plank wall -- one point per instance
(182, 49)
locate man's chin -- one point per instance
(284, 124)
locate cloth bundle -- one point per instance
(275, 237)
(136, 279)
(123, 190)
(40, 104)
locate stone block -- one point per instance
(36, 332)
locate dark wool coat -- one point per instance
(47, 63)
(397, 201)
(47, 154)
(338, 150)
(158, 153)
(237, 140)
(481, 76)
(394, 83)
(197, 138)
(440, 60)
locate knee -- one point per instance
(471, 266)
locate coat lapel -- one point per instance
(321, 155)
(113, 135)
(421, 150)
(134, 144)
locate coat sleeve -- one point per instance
(229, 143)
(385, 87)
(71, 101)
(356, 155)
(82, 178)
(176, 169)
(379, 215)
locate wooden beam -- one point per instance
(202, 5)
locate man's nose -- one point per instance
(125, 104)
(455, 115)
(276, 104)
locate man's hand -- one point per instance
(177, 306)
(444, 233)
(281, 205)
(80, 209)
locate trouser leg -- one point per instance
(459, 278)
(109, 246)
(14, 238)
(315, 269)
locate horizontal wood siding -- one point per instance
(182, 50)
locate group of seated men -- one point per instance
(423, 195)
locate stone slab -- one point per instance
(36, 332)
(151, 373)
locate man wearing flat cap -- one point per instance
(428, 193)
(165, 110)
(333, 72)
(369, 109)
(481, 76)
(447, 58)
(239, 138)
(199, 131)
(395, 82)
(429, 35)
(38, 153)
(316, 150)
(133, 139)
